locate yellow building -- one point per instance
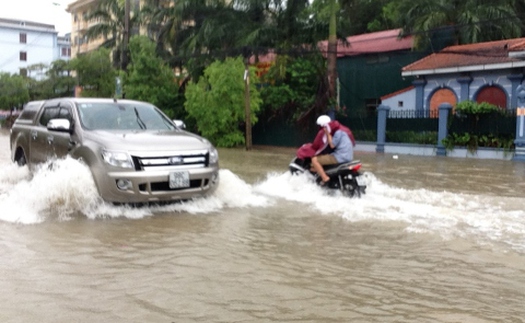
(79, 11)
(80, 24)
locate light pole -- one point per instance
(125, 40)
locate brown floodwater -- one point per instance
(435, 239)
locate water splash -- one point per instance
(64, 189)
(489, 219)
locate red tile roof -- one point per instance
(489, 55)
(386, 96)
(378, 42)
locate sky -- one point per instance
(51, 12)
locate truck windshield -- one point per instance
(122, 116)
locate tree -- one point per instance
(292, 93)
(331, 55)
(60, 79)
(150, 79)
(469, 21)
(110, 16)
(95, 73)
(194, 33)
(58, 83)
(13, 91)
(216, 102)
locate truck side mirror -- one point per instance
(60, 125)
(180, 124)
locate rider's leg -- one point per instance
(319, 161)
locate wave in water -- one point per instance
(64, 189)
(488, 219)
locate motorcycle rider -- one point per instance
(340, 143)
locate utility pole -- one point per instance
(331, 56)
(125, 40)
(247, 103)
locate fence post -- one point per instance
(444, 109)
(519, 153)
(382, 114)
(515, 80)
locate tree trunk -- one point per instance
(332, 56)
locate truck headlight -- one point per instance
(117, 158)
(214, 155)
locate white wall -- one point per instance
(41, 47)
(407, 99)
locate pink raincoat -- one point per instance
(310, 150)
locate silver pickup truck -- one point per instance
(136, 154)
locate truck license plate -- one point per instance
(179, 179)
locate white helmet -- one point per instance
(323, 120)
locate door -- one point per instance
(439, 97)
(40, 141)
(46, 144)
(493, 95)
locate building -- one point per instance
(368, 67)
(482, 72)
(80, 24)
(28, 48)
(79, 11)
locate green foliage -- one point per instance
(473, 141)
(469, 21)
(475, 109)
(110, 17)
(291, 85)
(217, 102)
(60, 80)
(476, 137)
(95, 73)
(150, 79)
(13, 91)
(365, 135)
(58, 83)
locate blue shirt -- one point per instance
(344, 150)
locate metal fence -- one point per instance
(402, 126)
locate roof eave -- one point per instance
(460, 69)
(517, 54)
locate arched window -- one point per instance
(441, 96)
(493, 95)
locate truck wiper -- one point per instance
(141, 123)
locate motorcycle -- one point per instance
(345, 177)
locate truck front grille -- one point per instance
(171, 162)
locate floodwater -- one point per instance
(433, 240)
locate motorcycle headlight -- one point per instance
(117, 158)
(214, 155)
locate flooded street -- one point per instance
(435, 239)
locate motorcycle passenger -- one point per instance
(341, 145)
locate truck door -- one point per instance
(46, 144)
(62, 140)
(40, 142)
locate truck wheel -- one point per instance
(20, 158)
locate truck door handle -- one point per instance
(71, 145)
(33, 134)
(50, 140)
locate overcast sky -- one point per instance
(52, 12)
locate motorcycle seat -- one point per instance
(333, 169)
